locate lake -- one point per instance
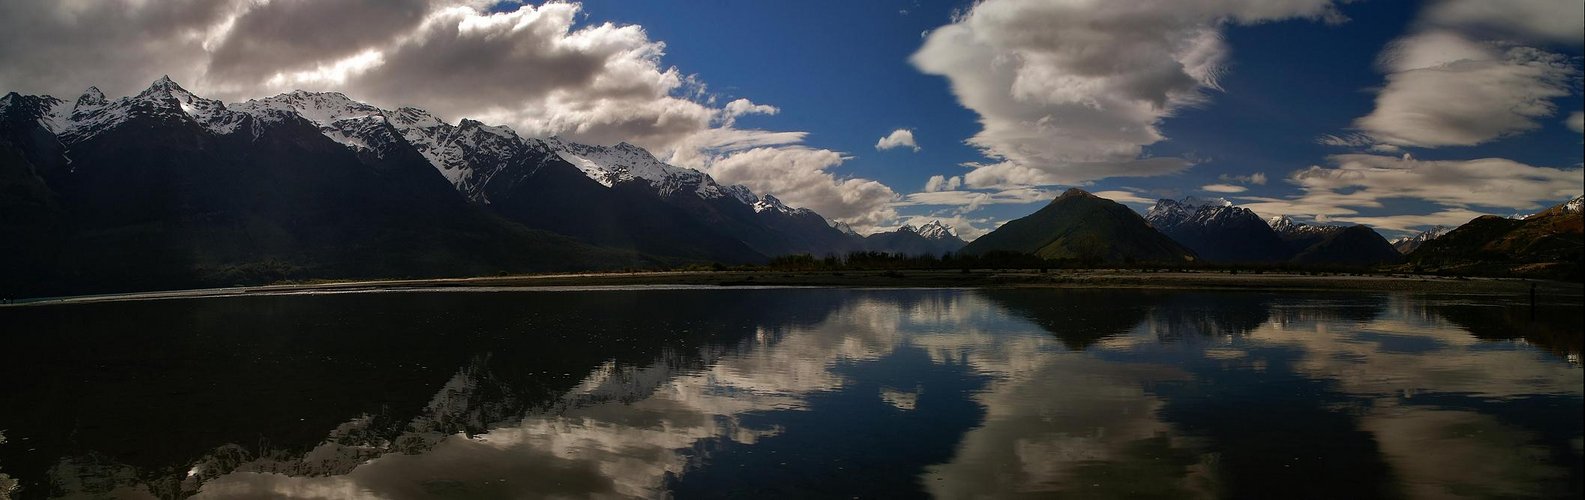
(796, 393)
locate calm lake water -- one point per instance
(795, 393)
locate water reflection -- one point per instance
(796, 393)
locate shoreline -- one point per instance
(1127, 279)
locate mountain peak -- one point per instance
(1193, 201)
(844, 228)
(92, 96)
(1408, 244)
(165, 83)
(769, 202)
(1075, 193)
(935, 230)
(1282, 223)
(416, 117)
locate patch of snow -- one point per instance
(935, 230)
(769, 202)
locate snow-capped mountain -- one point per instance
(471, 153)
(1299, 235)
(92, 114)
(488, 164)
(622, 163)
(935, 230)
(934, 238)
(770, 203)
(1408, 244)
(1355, 245)
(1217, 231)
(1547, 244)
(167, 189)
(845, 229)
(308, 155)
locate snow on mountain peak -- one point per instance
(1166, 214)
(92, 97)
(1408, 244)
(769, 202)
(92, 113)
(625, 162)
(321, 108)
(844, 228)
(467, 154)
(414, 117)
(1282, 223)
(1568, 207)
(935, 230)
(1193, 201)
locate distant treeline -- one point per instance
(860, 261)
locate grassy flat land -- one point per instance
(1548, 291)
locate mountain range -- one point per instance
(1408, 244)
(168, 189)
(1217, 231)
(1548, 244)
(932, 238)
(1081, 226)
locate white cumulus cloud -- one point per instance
(1473, 71)
(1460, 189)
(900, 138)
(943, 183)
(1070, 91)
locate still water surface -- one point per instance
(795, 393)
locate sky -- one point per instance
(1396, 114)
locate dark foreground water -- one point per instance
(794, 393)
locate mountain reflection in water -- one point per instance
(795, 393)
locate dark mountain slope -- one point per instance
(158, 200)
(1219, 233)
(1350, 246)
(1549, 244)
(1080, 225)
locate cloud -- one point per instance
(1545, 21)
(1011, 174)
(1257, 178)
(293, 35)
(742, 107)
(1223, 188)
(540, 69)
(1462, 189)
(900, 138)
(969, 201)
(943, 183)
(1446, 90)
(1470, 71)
(799, 176)
(1072, 91)
(63, 47)
(1451, 217)
(1576, 121)
(1124, 197)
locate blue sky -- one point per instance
(841, 71)
(1395, 114)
